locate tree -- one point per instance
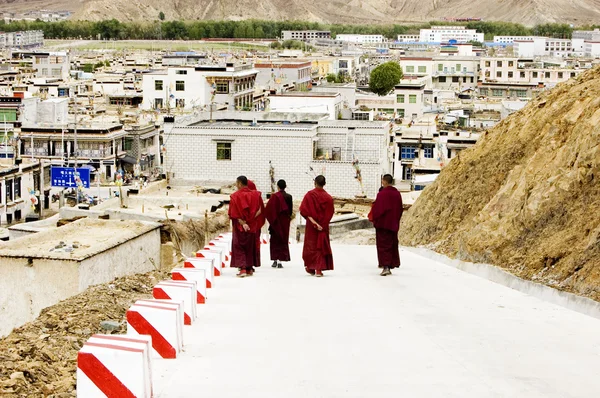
(161, 16)
(385, 77)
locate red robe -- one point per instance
(385, 216)
(252, 187)
(244, 204)
(316, 253)
(278, 213)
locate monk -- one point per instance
(252, 187)
(246, 210)
(317, 208)
(385, 216)
(278, 212)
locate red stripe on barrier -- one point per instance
(200, 299)
(159, 343)
(102, 377)
(158, 293)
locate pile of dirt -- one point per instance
(39, 359)
(526, 197)
(188, 236)
(358, 237)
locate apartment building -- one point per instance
(546, 47)
(51, 64)
(587, 35)
(189, 87)
(521, 70)
(305, 35)
(509, 40)
(409, 95)
(454, 73)
(22, 39)
(446, 34)
(408, 38)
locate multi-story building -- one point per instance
(52, 64)
(509, 40)
(408, 38)
(305, 35)
(409, 102)
(17, 183)
(281, 75)
(587, 35)
(457, 73)
(524, 71)
(545, 46)
(445, 34)
(21, 39)
(188, 87)
(360, 39)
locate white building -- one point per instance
(22, 39)
(587, 35)
(51, 64)
(305, 35)
(282, 75)
(16, 184)
(509, 40)
(592, 49)
(544, 47)
(296, 149)
(444, 34)
(408, 38)
(410, 99)
(189, 87)
(329, 103)
(361, 39)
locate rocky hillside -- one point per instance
(527, 197)
(529, 12)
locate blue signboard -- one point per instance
(66, 177)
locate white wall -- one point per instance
(306, 104)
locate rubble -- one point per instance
(39, 359)
(526, 197)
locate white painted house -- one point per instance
(445, 34)
(189, 87)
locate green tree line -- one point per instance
(258, 29)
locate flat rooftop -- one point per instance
(93, 237)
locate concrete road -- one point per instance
(427, 331)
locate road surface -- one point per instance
(427, 331)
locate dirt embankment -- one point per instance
(527, 197)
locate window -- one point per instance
(410, 69)
(521, 93)
(560, 75)
(179, 85)
(222, 88)
(499, 74)
(488, 64)
(158, 85)
(55, 71)
(407, 151)
(180, 103)
(522, 75)
(442, 79)
(428, 152)
(440, 67)
(572, 74)
(499, 64)
(510, 75)
(547, 75)
(158, 103)
(534, 75)
(406, 172)
(455, 79)
(400, 98)
(9, 190)
(18, 188)
(497, 92)
(223, 150)
(127, 144)
(422, 69)
(400, 112)
(511, 63)
(458, 67)
(412, 99)
(181, 72)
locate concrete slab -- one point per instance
(427, 331)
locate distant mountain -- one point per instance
(528, 12)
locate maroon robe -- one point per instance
(385, 216)
(252, 187)
(278, 213)
(244, 204)
(316, 253)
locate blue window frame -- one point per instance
(407, 152)
(428, 152)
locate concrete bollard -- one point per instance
(183, 291)
(207, 264)
(178, 306)
(221, 252)
(215, 255)
(114, 367)
(160, 322)
(192, 275)
(226, 247)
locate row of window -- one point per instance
(410, 151)
(501, 93)
(412, 98)
(159, 103)
(455, 79)
(12, 189)
(179, 85)
(411, 69)
(499, 64)
(534, 74)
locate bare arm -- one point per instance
(316, 224)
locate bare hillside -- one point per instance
(529, 12)
(527, 197)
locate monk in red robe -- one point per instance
(252, 187)
(278, 212)
(246, 210)
(385, 216)
(317, 208)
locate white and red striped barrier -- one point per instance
(225, 247)
(207, 264)
(178, 305)
(181, 291)
(216, 255)
(222, 252)
(114, 367)
(161, 320)
(192, 275)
